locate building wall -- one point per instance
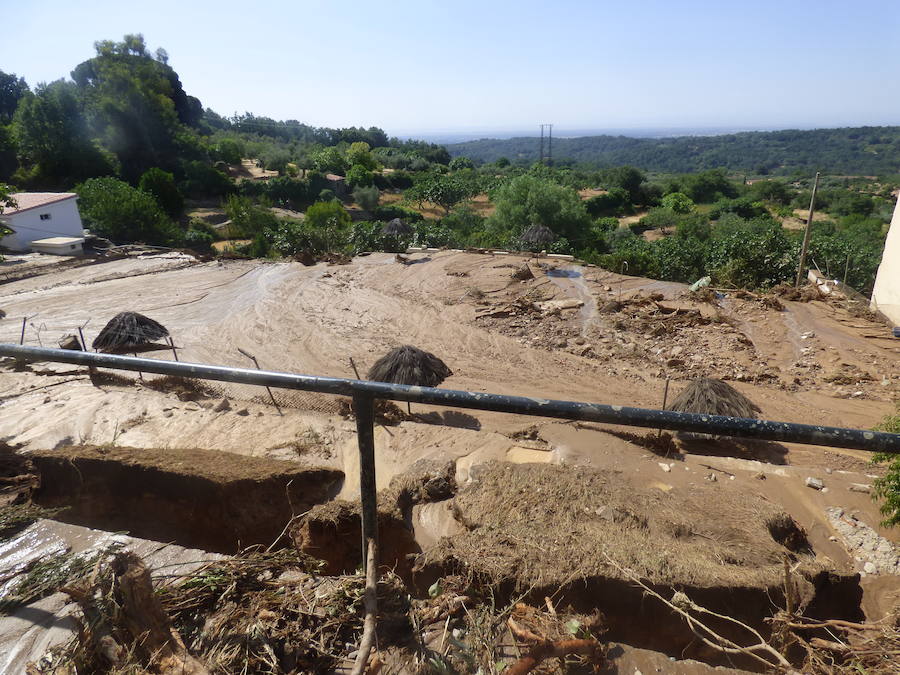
(27, 226)
(886, 293)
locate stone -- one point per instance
(814, 483)
(860, 487)
(579, 340)
(829, 470)
(870, 568)
(665, 467)
(243, 412)
(222, 405)
(676, 351)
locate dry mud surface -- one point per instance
(571, 332)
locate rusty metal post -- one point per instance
(364, 409)
(268, 389)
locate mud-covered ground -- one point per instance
(570, 332)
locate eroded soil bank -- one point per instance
(196, 498)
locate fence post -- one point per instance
(364, 409)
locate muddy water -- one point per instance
(570, 280)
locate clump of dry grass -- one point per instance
(184, 388)
(543, 525)
(708, 396)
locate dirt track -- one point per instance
(312, 319)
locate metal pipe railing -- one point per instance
(788, 432)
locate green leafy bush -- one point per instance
(161, 184)
(887, 487)
(114, 209)
(366, 197)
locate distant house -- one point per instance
(886, 293)
(41, 215)
(337, 184)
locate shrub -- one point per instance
(229, 151)
(614, 202)
(114, 209)
(887, 487)
(391, 211)
(359, 176)
(677, 202)
(745, 207)
(161, 184)
(202, 180)
(198, 240)
(366, 197)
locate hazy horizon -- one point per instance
(432, 69)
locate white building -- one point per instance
(886, 293)
(41, 215)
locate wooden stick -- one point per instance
(544, 650)
(665, 400)
(172, 345)
(370, 601)
(355, 371)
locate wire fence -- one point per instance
(37, 331)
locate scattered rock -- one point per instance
(759, 475)
(870, 568)
(665, 467)
(860, 487)
(168, 413)
(814, 483)
(222, 405)
(243, 412)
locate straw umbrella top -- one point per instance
(410, 365)
(714, 397)
(128, 329)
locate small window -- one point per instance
(45, 216)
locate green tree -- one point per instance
(359, 154)
(678, 202)
(12, 89)
(329, 160)
(53, 136)
(124, 214)
(161, 185)
(614, 202)
(330, 220)
(528, 200)
(444, 190)
(359, 176)
(458, 163)
(628, 178)
(230, 150)
(137, 106)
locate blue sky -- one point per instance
(423, 65)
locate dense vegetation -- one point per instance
(137, 148)
(853, 151)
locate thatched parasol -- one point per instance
(127, 330)
(539, 235)
(714, 397)
(396, 228)
(410, 365)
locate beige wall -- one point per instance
(886, 294)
